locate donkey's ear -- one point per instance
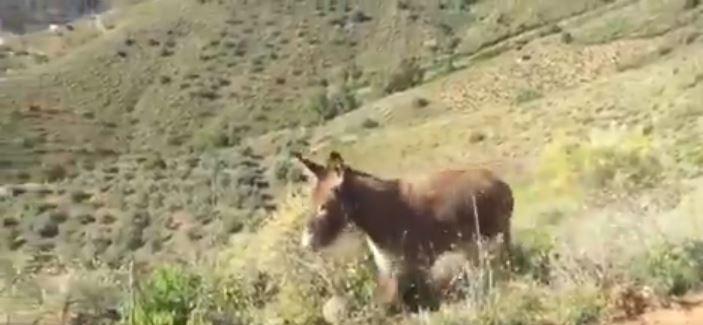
(335, 162)
(313, 167)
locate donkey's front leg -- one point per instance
(387, 289)
(387, 280)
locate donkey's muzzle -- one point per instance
(307, 240)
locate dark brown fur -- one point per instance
(414, 221)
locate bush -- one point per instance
(619, 161)
(97, 295)
(46, 227)
(269, 276)
(319, 104)
(420, 102)
(370, 123)
(532, 256)
(55, 173)
(407, 75)
(691, 4)
(79, 196)
(329, 107)
(214, 135)
(132, 234)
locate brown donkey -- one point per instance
(407, 225)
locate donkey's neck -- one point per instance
(375, 204)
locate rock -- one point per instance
(5, 192)
(36, 188)
(335, 310)
(431, 44)
(349, 138)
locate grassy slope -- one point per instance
(549, 89)
(632, 134)
(247, 68)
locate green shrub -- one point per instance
(358, 282)
(168, 297)
(319, 103)
(532, 255)
(285, 171)
(234, 298)
(527, 95)
(672, 269)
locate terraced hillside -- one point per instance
(208, 73)
(164, 137)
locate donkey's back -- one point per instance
(457, 202)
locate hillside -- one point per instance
(165, 137)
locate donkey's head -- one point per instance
(328, 200)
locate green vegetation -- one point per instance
(527, 95)
(167, 298)
(672, 268)
(265, 276)
(616, 160)
(146, 177)
(330, 106)
(408, 74)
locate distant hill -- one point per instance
(19, 16)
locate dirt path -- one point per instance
(687, 312)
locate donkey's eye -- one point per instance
(337, 191)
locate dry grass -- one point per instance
(577, 268)
(580, 270)
(273, 282)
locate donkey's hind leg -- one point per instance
(499, 254)
(507, 253)
(490, 252)
(446, 270)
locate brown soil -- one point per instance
(688, 311)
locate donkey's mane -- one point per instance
(357, 172)
(372, 181)
(369, 176)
